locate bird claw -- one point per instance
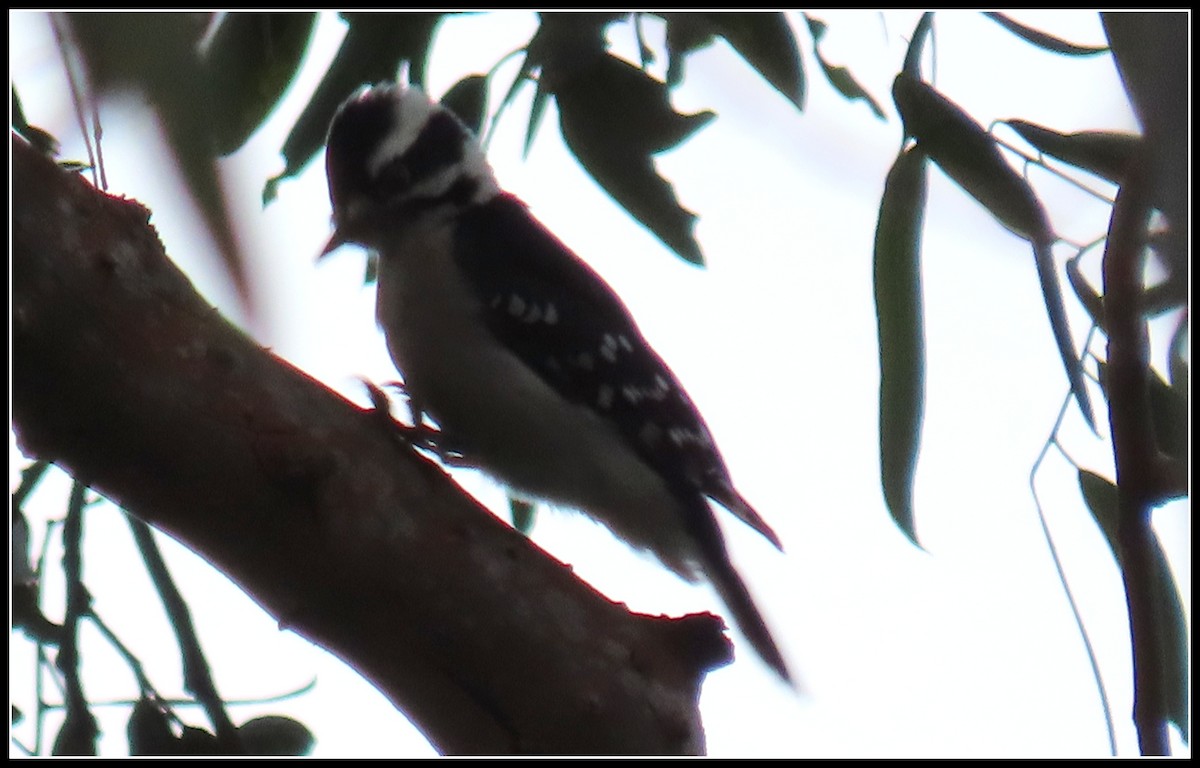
(418, 434)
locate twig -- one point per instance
(79, 732)
(1052, 440)
(197, 677)
(1134, 448)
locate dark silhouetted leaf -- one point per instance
(1169, 409)
(77, 736)
(523, 514)
(276, 736)
(613, 117)
(1056, 312)
(195, 742)
(686, 34)
(968, 154)
(158, 54)
(149, 730)
(371, 52)
(900, 315)
(1103, 499)
(916, 46)
(970, 157)
(1104, 153)
(1092, 301)
(536, 111)
(766, 42)
(840, 77)
(251, 60)
(1168, 412)
(468, 100)
(1043, 40)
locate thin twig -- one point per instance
(197, 676)
(57, 24)
(1052, 440)
(79, 725)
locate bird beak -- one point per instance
(335, 242)
(333, 245)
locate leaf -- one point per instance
(766, 42)
(1169, 412)
(523, 514)
(467, 99)
(374, 47)
(1104, 153)
(627, 107)
(1043, 40)
(686, 34)
(969, 156)
(900, 316)
(1056, 312)
(194, 742)
(916, 46)
(1092, 301)
(840, 77)
(148, 730)
(1103, 500)
(251, 59)
(77, 736)
(276, 736)
(536, 111)
(157, 54)
(613, 118)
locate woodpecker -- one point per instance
(528, 362)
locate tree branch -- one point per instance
(126, 377)
(1134, 447)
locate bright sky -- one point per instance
(966, 649)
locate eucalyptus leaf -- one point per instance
(971, 158)
(899, 307)
(467, 99)
(276, 736)
(766, 42)
(839, 77)
(968, 154)
(1107, 154)
(1043, 40)
(523, 514)
(251, 59)
(613, 118)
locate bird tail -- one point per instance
(719, 569)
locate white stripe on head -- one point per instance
(412, 110)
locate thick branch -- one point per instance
(126, 377)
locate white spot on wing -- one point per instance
(604, 397)
(516, 305)
(551, 314)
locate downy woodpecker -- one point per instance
(525, 358)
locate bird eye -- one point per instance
(393, 179)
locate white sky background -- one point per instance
(966, 649)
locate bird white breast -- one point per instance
(503, 416)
